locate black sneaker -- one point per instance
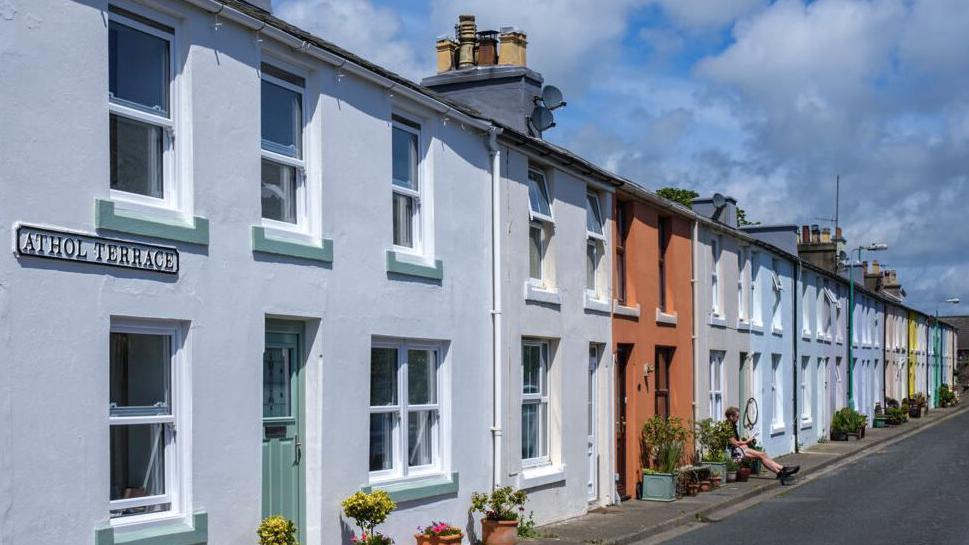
(794, 470)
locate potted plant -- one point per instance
(879, 421)
(715, 481)
(277, 530)
(438, 533)
(732, 468)
(663, 441)
(368, 509)
(744, 471)
(713, 439)
(501, 509)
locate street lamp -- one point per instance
(937, 341)
(873, 247)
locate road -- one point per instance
(915, 492)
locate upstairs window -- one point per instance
(538, 198)
(663, 231)
(756, 308)
(715, 276)
(595, 243)
(406, 183)
(141, 121)
(283, 167)
(539, 227)
(621, 232)
(742, 313)
(777, 321)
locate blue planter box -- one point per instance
(659, 486)
(718, 469)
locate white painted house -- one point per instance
(300, 299)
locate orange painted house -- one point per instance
(652, 322)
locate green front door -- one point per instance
(282, 449)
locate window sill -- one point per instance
(777, 429)
(194, 230)
(537, 294)
(777, 331)
(669, 318)
(807, 424)
(172, 532)
(545, 475)
(418, 489)
(807, 335)
(743, 325)
(594, 304)
(623, 310)
(264, 240)
(412, 265)
(717, 321)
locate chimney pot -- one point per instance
(487, 48)
(513, 46)
(445, 54)
(875, 267)
(805, 234)
(826, 234)
(815, 234)
(838, 235)
(466, 33)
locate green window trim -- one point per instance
(169, 533)
(418, 489)
(107, 217)
(397, 266)
(263, 243)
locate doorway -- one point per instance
(749, 400)
(592, 487)
(283, 470)
(622, 361)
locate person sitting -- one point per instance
(739, 449)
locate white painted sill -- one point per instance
(597, 305)
(545, 475)
(756, 328)
(779, 331)
(717, 320)
(668, 318)
(549, 296)
(622, 310)
(743, 325)
(807, 424)
(807, 335)
(777, 429)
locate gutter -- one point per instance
(696, 314)
(796, 333)
(494, 153)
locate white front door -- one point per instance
(592, 491)
(822, 397)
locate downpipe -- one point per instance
(494, 154)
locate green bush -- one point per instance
(368, 510)
(503, 503)
(713, 439)
(277, 530)
(663, 441)
(848, 420)
(946, 396)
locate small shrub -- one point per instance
(663, 441)
(368, 510)
(277, 530)
(439, 529)
(503, 503)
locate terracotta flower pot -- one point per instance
(693, 489)
(499, 532)
(424, 539)
(715, 481)
(743, 474)
(705, 486)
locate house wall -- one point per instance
(641, 326)
(563, 317)
(57, 315)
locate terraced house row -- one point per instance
(252, 273)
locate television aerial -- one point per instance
(541, 118)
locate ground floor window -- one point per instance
(142, 417)
(716, 384)
(807, 401)
(777, 392)
(535, 403)
(405, 419)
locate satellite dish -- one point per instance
(719, 201)
(542, 118)
(552, 97)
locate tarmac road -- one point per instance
(914, 492)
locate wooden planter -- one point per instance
(423, 539)
(879, 422)
(499, 532)
(659, 486)
(839, 436)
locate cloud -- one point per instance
(706, 14)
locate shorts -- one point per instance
(738, 453)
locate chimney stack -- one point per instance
(815, 234)
(487, 48)
(826, 235)
(467, 32)
(446, 48)
(513, 44)
(876, 268)
(805, 234)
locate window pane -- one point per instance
(138, 68)
(530, 430)
(535, 252)
(137, 462)
(593, 220)
(140, 373)
(282, 120)
(383, 376)
(421, 377)
(420, 427)
(403, 220)
(531, 369)
(276, 383)
(590, 266)
(537, 195)
(405, 158)
(382, 441)
(279, 190)
(136, 157)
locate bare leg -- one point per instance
(770, 464)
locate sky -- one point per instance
(765, 101)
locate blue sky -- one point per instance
(766, 101)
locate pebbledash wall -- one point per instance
(339, 284)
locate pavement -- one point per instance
(637, 521)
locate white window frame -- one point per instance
(756, 308)
(541, 398)
(178, 447)
(807, 391)
(806, 329)
(303, 223)
(716, 252)
(716, 377)
(599, 252)
(777, 318)
(743, 314)
(404, 121)
(171, 200)
(777, 393)
(400, 468)
(544, 223)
